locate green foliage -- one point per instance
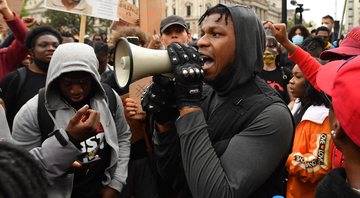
(291, 23)
(69, 22)
(23, 11)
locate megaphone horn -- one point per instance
(133, 62)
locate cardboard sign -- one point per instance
(128, 12)
(152, 12)
(105, 9)
(137, 89)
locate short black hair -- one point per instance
(312, 43)
(38, 31)
(322, 28)
(218, 9)
(101, 48)
(20, 174)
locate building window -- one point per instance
(188, 25)
(174, 11)
(188, 10)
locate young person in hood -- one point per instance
(88, 152)
(226, 139)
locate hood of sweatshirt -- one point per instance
(250, 44)
(71, 57)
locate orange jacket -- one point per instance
(310, 67)
(310, 159)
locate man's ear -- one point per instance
(162, 40)
(189, 35)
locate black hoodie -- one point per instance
(250, 43)
(214, 152)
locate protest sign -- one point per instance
(105, 9)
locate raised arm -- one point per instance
(13, 55)
(308, 64)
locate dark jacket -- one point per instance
(334, 185)
(219, 156)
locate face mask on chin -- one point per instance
(42, 65)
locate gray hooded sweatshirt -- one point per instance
(5, 134)
(55, 158)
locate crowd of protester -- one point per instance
(253, 109)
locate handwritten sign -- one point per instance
(137, 88)
(128, 12)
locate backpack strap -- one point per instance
(11, 85)
(16, 83)
(46, 124)
(111, 99)
(22, 76)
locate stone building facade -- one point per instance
(191, 10)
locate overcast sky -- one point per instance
(320, 8)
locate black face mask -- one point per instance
(42, 65)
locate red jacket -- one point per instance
(310, 158)
(310, 67)
(12, 56)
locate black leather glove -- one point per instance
(186, 63)
(159, 100)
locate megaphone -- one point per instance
(133, 62)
